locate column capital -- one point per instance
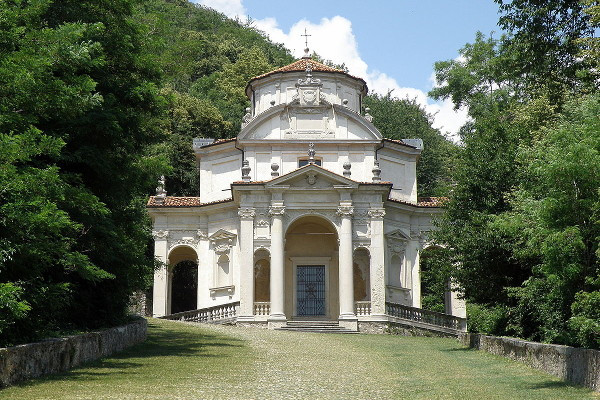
(246, 213)
(276, 211)
(345, 211)
(160, 234)
(376, 213)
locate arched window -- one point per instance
(394, 278)
(222, 271)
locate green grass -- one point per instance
(180, 361)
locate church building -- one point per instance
(308, 214)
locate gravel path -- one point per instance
(193, 361)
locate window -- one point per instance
(304, 161)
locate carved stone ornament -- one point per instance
(201, 234)
(246, 213)
(188, 241)
(276, 210)
(222, 241)
(311, 178)
(246, 118)
(376, 213)
(160, 234)
(345, 211)
(396, 242)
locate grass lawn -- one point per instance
(183, 361)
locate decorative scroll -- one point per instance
(277, 210)
(345, 211)
(160, 234)
(246, 213)
(376, 213)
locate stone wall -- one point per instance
(58, 355)
(578, 366)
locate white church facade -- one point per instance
(309, 213)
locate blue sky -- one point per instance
(393, 44)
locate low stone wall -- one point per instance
(578, 366)
(58, 355)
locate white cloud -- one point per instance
(231, 8)
(341, 47)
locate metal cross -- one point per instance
(306, 35)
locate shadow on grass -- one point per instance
(162, 341)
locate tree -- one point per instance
(554, 218)
(515, 88)
(404, 119)
(78, 109)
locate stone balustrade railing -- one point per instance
(262, 308)
(362, 308)
(215, 314)
(426, 316)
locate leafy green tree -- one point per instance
(404, 119)
(78, 107)
(554, 219)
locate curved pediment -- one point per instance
(297, 121)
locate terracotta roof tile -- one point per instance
(399, 142)
(220, 141)
(431, 201)
(173, 201)
(300, 66)
(426, 202)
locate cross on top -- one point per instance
(306, 35)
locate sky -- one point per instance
(392, 44)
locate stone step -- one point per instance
(336, 331)
(315, 327)
(310, 323)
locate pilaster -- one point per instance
(246, 238)
(377, 262)
(160, 292)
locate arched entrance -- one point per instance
(311, 270)
(183, 279)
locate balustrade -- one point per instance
(426, 316)
(209, 314)
(262, 308)
(362, 308)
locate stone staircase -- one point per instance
(315, 327)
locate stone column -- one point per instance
(277, 317)
(160, 292)
(246, 238)
(346, 269)
(377, 263)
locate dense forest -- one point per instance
(97, 99)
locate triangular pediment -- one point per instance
(312, 177)
(221, 234)
(397, 235)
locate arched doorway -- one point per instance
(311, 271)
(183, 279)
